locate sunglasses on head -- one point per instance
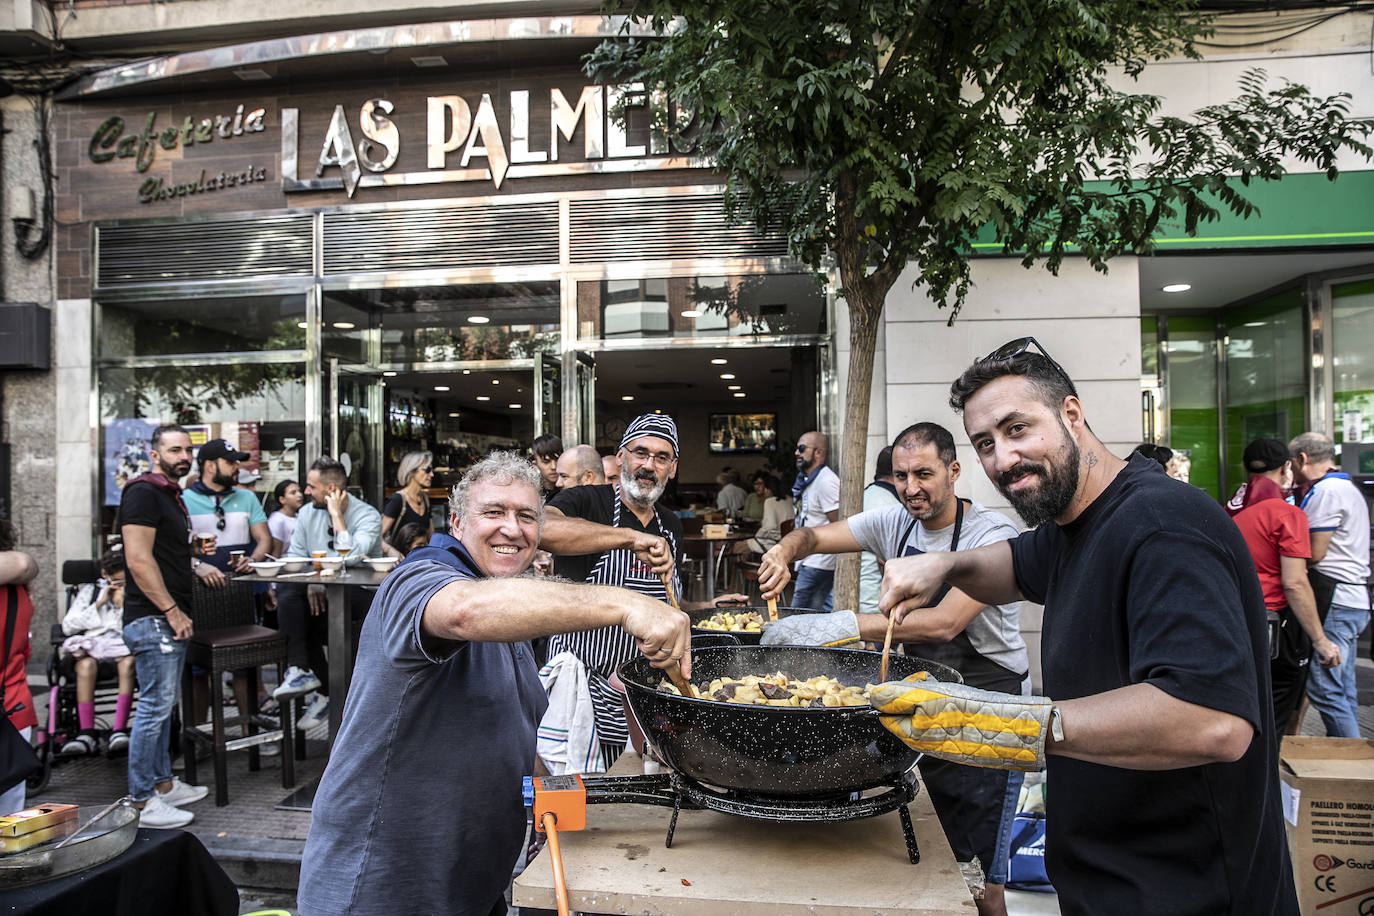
(1014, 348)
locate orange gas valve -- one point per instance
(565, 797)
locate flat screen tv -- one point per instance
(738, 433)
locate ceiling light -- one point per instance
(739, 394)
(302, 325)
(719, 362)
(453, 413)
(496, 381)
(1177, 287)
(483, 397)
(734, 387)
(467, 372)
(691, 313)
(627, 397)
(513, 406)
(478, 319)
(252, 74)
(441, 388)
(344, 325)
(429, 60)
(727, 375)
(389, 373)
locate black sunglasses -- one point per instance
(330, 545)
(1014, 348)
(219, 516)
(427, 470)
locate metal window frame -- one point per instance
(566, 274)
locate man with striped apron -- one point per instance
(618, 535)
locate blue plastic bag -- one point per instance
(1026, 865)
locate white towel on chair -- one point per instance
(567, 739)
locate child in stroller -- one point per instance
(92, 625)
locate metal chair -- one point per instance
(226, 638)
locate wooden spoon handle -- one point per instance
(772, 609)
(887, 649)
(675, 672)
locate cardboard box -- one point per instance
(1328, 803)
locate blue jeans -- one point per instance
(814, 589)
(157, 663)
(1332, 690)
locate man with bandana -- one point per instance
(1162, 778)
(618, 534)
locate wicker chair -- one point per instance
(225, 639)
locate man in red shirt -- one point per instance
(1276, 533)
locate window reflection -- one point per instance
(202, 325)
(700, 307)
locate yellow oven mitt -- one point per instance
(964, 724)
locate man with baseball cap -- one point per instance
(1275, 531)
(618, 534)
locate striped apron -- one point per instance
(605, 649)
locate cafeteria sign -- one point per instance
(110, 142)
(455, 131)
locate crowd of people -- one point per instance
(1158, 726)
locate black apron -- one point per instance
(959, 653)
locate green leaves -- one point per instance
(895, 131)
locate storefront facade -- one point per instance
(366, 267)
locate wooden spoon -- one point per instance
(675, 671)
(887, 648)
(772, 608)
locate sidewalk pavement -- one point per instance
(260, 847)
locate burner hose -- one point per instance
(560, 886)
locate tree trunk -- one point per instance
(864, 316)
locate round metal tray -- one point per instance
(98, 842)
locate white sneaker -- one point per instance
(296, 682)
(316, 711)
(270, 749)
(182, 793)
(157, 813)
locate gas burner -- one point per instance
(679, 792)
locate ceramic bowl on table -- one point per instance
(382, 564)
(297, 564)
(267, 567)
(330, 566)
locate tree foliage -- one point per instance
(886, 132)
(905, 128)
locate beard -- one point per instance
(1058, 484)
(643, 489)
(174, 471)
(225, 481)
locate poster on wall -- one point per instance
(126, 454)
(243, 435)
(1352, 426)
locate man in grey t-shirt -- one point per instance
(981, 642)
(420, 808)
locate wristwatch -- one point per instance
(1056, 724)
(195, 563)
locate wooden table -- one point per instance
(711, 554)
(722, 865)
(340, 625)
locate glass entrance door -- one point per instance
(355, 435)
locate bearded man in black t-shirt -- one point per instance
(1162, 780)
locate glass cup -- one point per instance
(204, 544)
(318, 554)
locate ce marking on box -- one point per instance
(1325, 883)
